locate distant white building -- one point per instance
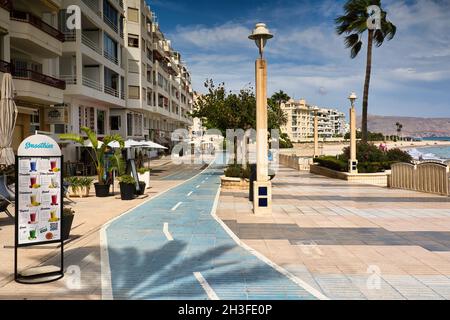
(300, 124)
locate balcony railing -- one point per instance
(110, 57)
(113, 25)
(70, 79)
(91, 44)
(6, 4)
(70, 36)
(93, 5)
(38, 23)
(90, 83)
(26, 74)
(111, 91)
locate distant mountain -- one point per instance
(413, 127)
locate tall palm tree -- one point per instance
(399, 128)
(353, 24)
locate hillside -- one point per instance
(416, 127)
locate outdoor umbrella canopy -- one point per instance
(8, 117)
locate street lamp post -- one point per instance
(316, 132)
(353, 162)
(262, 196)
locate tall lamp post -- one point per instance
(353, 162)
(316, 132)
(262, 187)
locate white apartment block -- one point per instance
(117, 74)
(300, 124)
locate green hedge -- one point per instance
(363, 167)
(237, 171)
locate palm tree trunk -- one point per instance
(366, 87)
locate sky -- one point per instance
(307, 59)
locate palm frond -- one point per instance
(72, 137)
(356, 49)
(378, 38)
(351, 40)
(92, 137)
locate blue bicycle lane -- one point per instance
(173, 248)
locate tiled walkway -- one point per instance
(350, 241)
(173, 248)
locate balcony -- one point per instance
(93, 5)
(6, 4)
(26, 74)
(91, 44)
(5, 67)
(38, 23)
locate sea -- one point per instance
(440, 153)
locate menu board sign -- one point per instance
(38, 192)
(39, 201)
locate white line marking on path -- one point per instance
(190, 193)
(197, 187)
(166, 232)
(209, 291)
(313, 291)
(177, 205)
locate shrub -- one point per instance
(398, 155)
(374, 167)
(365, 152)
(127, 179)
(143, 170)
(238, 171)
(332, 163)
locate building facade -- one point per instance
(300, 124)
(116, 73)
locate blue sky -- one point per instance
(411, 73)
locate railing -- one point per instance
(91, 44)
(424, 177)
(93, 5)
(110, 57)
(112, 91)
(70, 36)
(122, 95)
(5, 67)
(90, 83)
(111, 24)
(38, 23)
(69, 79)
(26, 74)
(6, 4)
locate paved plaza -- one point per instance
(326, 239)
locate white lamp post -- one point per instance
(316, 132)
(262, 196)
(353, 162)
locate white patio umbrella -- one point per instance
(8, 117)
(151, 145)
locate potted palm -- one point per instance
(127, 187)
(102, 185)
(68, 215)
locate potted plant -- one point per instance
(74, 185)
(68, 215)
(85, 186)
(144, 175)
(127, 187)
(102, 185)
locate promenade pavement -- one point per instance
(350, 241)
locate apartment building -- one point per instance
(31, 47)
(300, 124)
(159, 84)
(117, 73)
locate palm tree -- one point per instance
(354, 23)
(399, 128)
(99, 148)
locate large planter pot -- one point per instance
(66, 226)
(82, 192)
(145, 178)
(102, 190)
(141, 188)
(228, 183)
(127, 191)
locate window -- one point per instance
(35, 123)
(133, 66)
(111, 79)
(101, 119)
(110, 49)
(110, 15)
(129, 124)
(133, 15)
(133, 92)
(133, 40)
(115, 123)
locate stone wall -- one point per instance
(376, 179)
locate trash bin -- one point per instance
(252, 179)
